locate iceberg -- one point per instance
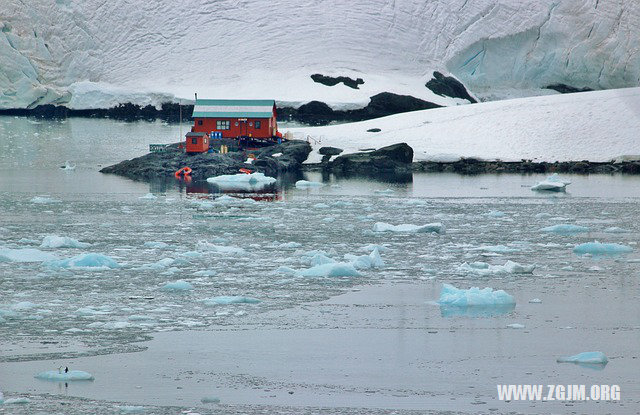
(509, 267)
(496, 249)
(565, 229)
(334, 269)
(43, 200)
(179, 285)
(131, 409)
(241, 181)
(304, 184)
(155, 245)
(229, 299)
(553, 183)
(55, 241)
(600, 249)
(205, 273)
(373, 260)
(15, 401)
(615, 229)
(474, 296)
(220, 249)
(25, 255)
(148, 196)
(85, 261)
(64, 377)
(592, 358)
(515, 326)
(408, 228)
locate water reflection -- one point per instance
(476, 311)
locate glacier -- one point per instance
(84, 54)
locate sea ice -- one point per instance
(252, 181)
(615, 229)
(334, 269)
(515, 326)
(130, 409)
(373, 260)
(14, 401)
(44, 200)
(205, 273)
(85, 261)
(535, 301)
(409, 228)
(25, 255)
(509, 267)
(598, 248)
(474, 296)
(598, 358)
(148, 196)
(303, 184)
(58, 376)
(220, 249)
(565, 229)
(155, 245)
(552, 183)
(55, 241)
(179, 285)
(289, 245)
(229, 299)
(496, 249)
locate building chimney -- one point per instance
(196, 96)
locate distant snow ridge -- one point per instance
(93, 52)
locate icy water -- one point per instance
(374, 343)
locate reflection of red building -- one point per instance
(197, 142)
(236, 118)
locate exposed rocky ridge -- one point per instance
(448, 86)
(204, 165)
(393, 158)
(332, 81)
(567, 89)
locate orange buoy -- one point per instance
(185, 171)
(245, 171)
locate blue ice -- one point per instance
(474, 296)
(598, 358)
(598, 248)
(230, 299)
(58, 375)
(179, 285)
(95, 261)
(565, 229)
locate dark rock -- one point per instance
(330, 151)
(567, 89)
(331, 81)
(396, 157)
(374, 130)
(448, 86)
(159, 165)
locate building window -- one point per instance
(194, 141)
(258, 125)
(199, 122)
(222, 125)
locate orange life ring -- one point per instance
(185, 171)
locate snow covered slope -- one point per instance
(594, 126)
(269, 48)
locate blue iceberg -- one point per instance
(230, 299)
(593, 360)
(474, 302)
(59, 376)
(565, 229)
(179, 285)
(598, 248)
(86, 261)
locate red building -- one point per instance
(197, 142)
(236, 118)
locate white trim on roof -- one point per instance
(233, 108)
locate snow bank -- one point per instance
(229, 299)
(179, 285)
(565, 229)
(70, 376)
(55, 241)
(452, 296)
(585, 357)
(408, 228)
(598, 248)
(86, 261)
(25, 255)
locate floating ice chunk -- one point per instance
(304, 184)
(373, 260)
(23, 306)
(371, 247)
(148, 196)
(191, 254)
(289, 245)
(55, 241)
(320, 206)
(25, 255)
(64, 377)
(210, 399)
(384, 192)
(285, 270)
(44, 200)
(85, 261)
(474, 296)
(515, 268)
(498, 249)
(597, 358)
(155, 245)
(495, 214)
(220, 249)
(535, 301)
(335, 269)
(15, 401)
(598, 248)
(543, 215)
(179, 285)
(206, 273)
(515, 326)
(565, 229)
(615, 229)
(408, 228)
(67, 166)
(552, 183)
(130, 409)
(320, 259)
(116, 325)
(252, 181)
(229, 299)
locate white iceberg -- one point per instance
(55, 241)
(304, 184)
(474, 296)
(148, 196)
(408, 228)
(68, 167)
(565, 229)
(229, 299)
(205, 273)
(179, 285)
(515, 326)
(15, 401)
(373, 260)
(64, 377)
(509, 267)
(43, 200)
(593, 358)
(86, 261)
(220, 249)
(598, 248)
(552, 183)
(25, 255)
(248, 182)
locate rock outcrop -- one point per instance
(396, 157)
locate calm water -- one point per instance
(240, 247)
